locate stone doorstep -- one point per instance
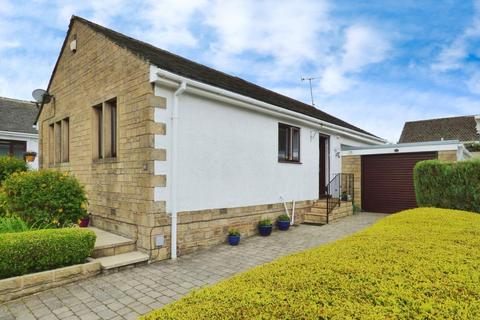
(122, 260)
(109, 244)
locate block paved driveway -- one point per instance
(129, 293)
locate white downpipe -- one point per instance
(292, 220)
(216, 93)
(173, 180)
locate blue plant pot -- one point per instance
(233, 240)
(283, 225)
(265, 230)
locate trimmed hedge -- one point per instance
(45, 197)
(417, 264)
(9, 165)
(448, 185)
(40, 250)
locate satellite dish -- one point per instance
(41, 96)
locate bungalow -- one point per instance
(17, 132)
(174, 153)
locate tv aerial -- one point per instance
(309, 79)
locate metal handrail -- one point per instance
(340, 188)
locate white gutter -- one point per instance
(14, 134)
(173, 165)
(212, 92)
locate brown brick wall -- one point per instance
(120, 190)
(353, 164)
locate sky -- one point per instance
(375, 64)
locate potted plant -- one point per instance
(265, 227)
(85, 221)
(30, 156)
(283, 222)
(233, 237)
(344, 196)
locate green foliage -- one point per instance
(356, 208)
(45, 197)
(9, 165)
(448, 185)
(40, 250)
(473, 146)
(283, 217)
(233, 232)
(12, 224)
(417, 264)
(265, 222)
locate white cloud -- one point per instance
(362, 47)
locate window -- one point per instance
(59, 141)
(12, 148)
(105, 124)
(288, 143)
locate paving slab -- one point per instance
(128, 293)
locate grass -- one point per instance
(417, 264)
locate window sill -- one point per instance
(290, 161)
(105, 160)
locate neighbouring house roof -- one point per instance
(455, 128)
(195, 71)
(17, 115)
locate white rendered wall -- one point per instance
(32, 144)
(227, 156)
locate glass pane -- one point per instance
(295, 144)
(282, 142)
(4, 149)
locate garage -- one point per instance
(383, 174)
(388, 181)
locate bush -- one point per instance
(12, 224)
(233, 232)
(448, 185)
(40, 250)
(417, 264)
(265, 222)
(45, 197)
(9, 165)
(283, 217)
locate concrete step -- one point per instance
(110, 244)
(123, 260)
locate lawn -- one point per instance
(417, 264)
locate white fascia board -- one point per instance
(169, 79)
(401, 149)
(19, 135)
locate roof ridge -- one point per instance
(443, 118)
(17, 100)
(205, 74)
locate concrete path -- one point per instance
(129, 293)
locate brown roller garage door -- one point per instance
(387, 181)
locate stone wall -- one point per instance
(353, 164)
(16, 287)
(120, 189)
(448, 156)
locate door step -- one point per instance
(129, 259)
(110, 244)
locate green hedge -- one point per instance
(448, 185)
(45, 197)
(416, 264)
(40, 250)
(9, 165)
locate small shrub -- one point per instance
(265, 222)
(283, 217)
(12, 224)
(45, 197)
(448, 185)
(233, 232)
(40, 250)
(10, 165)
